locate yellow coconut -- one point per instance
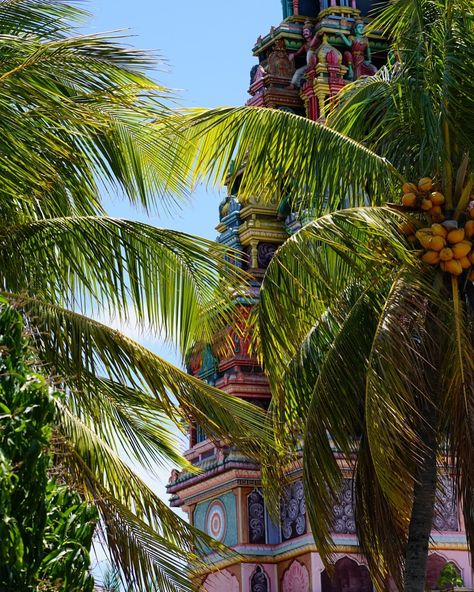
(426, 204)
(437, 198)
(425, 184)
(453, 266)
(437, 243)
(409, 188)
(465, 263)
(435, 211)
(469, 228)
(439, 230)
(431, 257)
(455, 236)
(409, 199)
(424, 238)
(461, 249)
(446, 254)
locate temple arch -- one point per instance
(434, 565)
(348, 576)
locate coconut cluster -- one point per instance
(445, 243)
(447, 246)
(424, 197)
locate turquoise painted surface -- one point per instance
(229, 503)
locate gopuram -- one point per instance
(302, 64)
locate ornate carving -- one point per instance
(343, 510)
(265, 253)
(446, 511)
(222, 580)
(278, 62)
(293, 512)
(256, 512)
(296, 578)
(358, 58)
(174, 476)
(216, 521)
(259, 581)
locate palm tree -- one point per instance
(368, 348)
(75, 115)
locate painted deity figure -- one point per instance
(358, 59)
(309, 47)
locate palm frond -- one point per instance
(177, 285)
(280, 154)
(149, 542)
(51, 18)
(370, 334)
(71, 345)
(420, 119)
(128, 420)
(457, 404)
(311, 270)
(75, 111)
(381, 529)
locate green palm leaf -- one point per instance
(149, 541)
(372, 326)
(278, 154)
(171, 280)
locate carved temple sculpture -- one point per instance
(278, 553)
(293, 74)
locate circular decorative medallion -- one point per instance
(216, 521)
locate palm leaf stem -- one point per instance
(464, 198)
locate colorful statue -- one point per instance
(358, 59)
(311, 43)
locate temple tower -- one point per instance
(225, 499)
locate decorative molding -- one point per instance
(216, 520)
(296, 578)
(446, 507)
(220, 581)
(259, 581)
(256, 517)
(343, 510)
(293, 512)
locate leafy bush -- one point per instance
(45, 529)
(449, 577)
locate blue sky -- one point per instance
(206, 45)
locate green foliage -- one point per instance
(27, 412)
(76, 114)
(364, 347)
(70, 526)
(46, 529)
(449, 577)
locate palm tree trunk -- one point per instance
(422, 512)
